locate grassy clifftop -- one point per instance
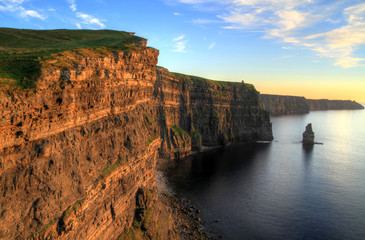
(205, 83)
(21, 50)
(61, 39)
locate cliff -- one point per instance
(325, 104)
(75, 150)
(78, 151)
(278, 104)
(211, 112)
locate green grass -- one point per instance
(178, 130)
(22, 50)
(109, 168)
(25, 72)
(196, 134)
(150, 140)
(38, 41)
(195, 81)
(43, 230)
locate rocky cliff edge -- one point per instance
(78, 152)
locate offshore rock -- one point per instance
(308, 135)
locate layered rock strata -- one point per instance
(278, 104)
(75, 151)
(212, 112)
(325, 104)
(78, 153)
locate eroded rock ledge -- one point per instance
(78, 153)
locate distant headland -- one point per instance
(280, 104)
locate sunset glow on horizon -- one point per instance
(311, 48)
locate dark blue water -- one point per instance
(282, 190)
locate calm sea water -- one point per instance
(282, 190)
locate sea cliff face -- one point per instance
(78, 153)
(278, 104)
(211, 112)
(325, 104)
(75, 151)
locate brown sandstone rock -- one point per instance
(78, 153)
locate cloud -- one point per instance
(212, 45)
(295, 22)
(177, 14)
(15, 6)
(72, 5)
(179, 38)
(204, 21)
(30, 13)
(340, 43)
(89, 19)
(180, 44)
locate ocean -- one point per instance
(282, 189)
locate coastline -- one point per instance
(186, 219)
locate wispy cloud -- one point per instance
(86, 19)
(294, 22)
(340, 43)
(89, 19)
(180, 44)
(72, 5)
(211, 46)
(177, 14)
(16, 6)
(179, 38)
(205, 21)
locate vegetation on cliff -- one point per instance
(195, 81)
(78, 156)
(23, 50)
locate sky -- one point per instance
(311, 48)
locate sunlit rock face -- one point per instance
(75, 151)
(219, 112)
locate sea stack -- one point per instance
(308, 135)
